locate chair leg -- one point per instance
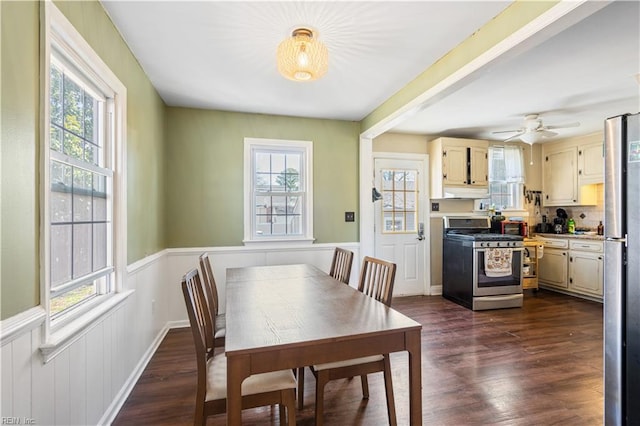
(289, 398)
(321, 380)
(388, 387)
(300, 395)
(365, 386)
(282, 412)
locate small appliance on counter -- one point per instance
(560, 222)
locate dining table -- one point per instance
(288, 316)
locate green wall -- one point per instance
(20, 207)
(204, 174)
(19, 132)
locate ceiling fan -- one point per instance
(533, 130)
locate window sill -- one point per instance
(62, 338)
(280, 242)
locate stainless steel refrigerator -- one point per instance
(622, 271)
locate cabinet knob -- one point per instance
(579, 172)
(570, 259)
(571, 280)
(444, 176)
(599, 257)
(473, 181)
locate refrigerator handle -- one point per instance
(614, 160)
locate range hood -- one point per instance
(465, 193)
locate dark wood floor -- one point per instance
(539, 365)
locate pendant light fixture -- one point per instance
(302, 57)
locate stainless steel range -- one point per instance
(480, 270)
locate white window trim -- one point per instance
(55, 28)
(251, 143)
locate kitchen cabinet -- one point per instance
(569, 171)
(560, 179)
(553, 268)
(573, 266)
(586, 267)
(458, 166)
(591, 163)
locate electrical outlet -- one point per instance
(349, 216)
(435, 207)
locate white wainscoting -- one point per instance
(87, 383)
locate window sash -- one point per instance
(506, 177)
(100, 137)
(267, 167)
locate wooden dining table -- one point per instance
(289, 316)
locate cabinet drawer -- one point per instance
(595, 246)
(553, 243)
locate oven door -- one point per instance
(498, 278)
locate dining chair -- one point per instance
(376, 280)
(258, 390)
(211, 294)
(341, 265)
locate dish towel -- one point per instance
(497, 262)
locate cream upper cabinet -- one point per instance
(570, 169)
(591, 163)
(479, 166)
(458, 166)
(560, 179)
(454, 165)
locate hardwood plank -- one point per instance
(541, 364)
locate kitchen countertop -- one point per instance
(571, 236)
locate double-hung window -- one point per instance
(83, 182)
(278, 198)
(506, 177)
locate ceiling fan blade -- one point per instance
(547, 133)
(514, 137)
(507, 131)
(563, 126)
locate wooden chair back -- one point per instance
(377, 278)
(341, 265)
(201, 327)
(211, 290)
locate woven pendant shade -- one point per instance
(302, 57)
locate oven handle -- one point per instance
(483, 249)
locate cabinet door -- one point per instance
(560, 177)
(454, 165)
(552, 268)
(591, 163)
(586, 273)
(479, 166)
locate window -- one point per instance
(506, 177)
(82, 177)
(399, 195)
(278, 199)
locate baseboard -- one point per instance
(435, 290)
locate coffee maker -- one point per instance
(560, 222)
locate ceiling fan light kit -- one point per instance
(302, 57)
(533, 130)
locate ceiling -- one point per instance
(221, 55)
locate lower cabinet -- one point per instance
(586, 268)
(573, 266)
(553, 267)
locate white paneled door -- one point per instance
(401, 231)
